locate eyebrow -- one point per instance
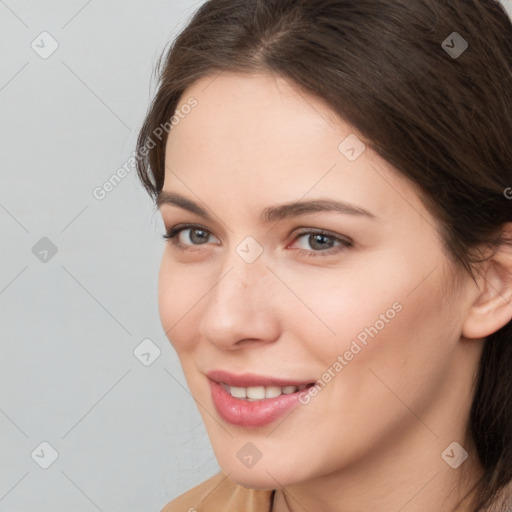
(272, 213)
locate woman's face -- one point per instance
(265, 298)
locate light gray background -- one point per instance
(128, 436)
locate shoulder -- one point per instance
(220, 493)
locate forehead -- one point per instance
(258, 92)
(254, 122)
(261, 139)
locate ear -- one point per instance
(492, 308)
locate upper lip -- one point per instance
(250, 379)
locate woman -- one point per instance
(335, 181)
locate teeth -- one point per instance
(238, 392)
(254, 393)
(272, 391)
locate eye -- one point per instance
(178, 236)
(322, 243)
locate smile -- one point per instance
(251, 400)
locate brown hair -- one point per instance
(443, 120)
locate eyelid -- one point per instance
(325, 232)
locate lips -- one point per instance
(249, 379)
(251, 400)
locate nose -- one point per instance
(241, 308)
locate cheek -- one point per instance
(377, 318)
(179, 291)
(407, 357)
(337, 307)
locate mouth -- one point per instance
(250, 400)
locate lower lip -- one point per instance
(251, 414)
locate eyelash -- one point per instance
(171, 234)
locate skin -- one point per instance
(372, 438)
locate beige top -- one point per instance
(220, 494)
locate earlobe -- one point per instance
(492, 308)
